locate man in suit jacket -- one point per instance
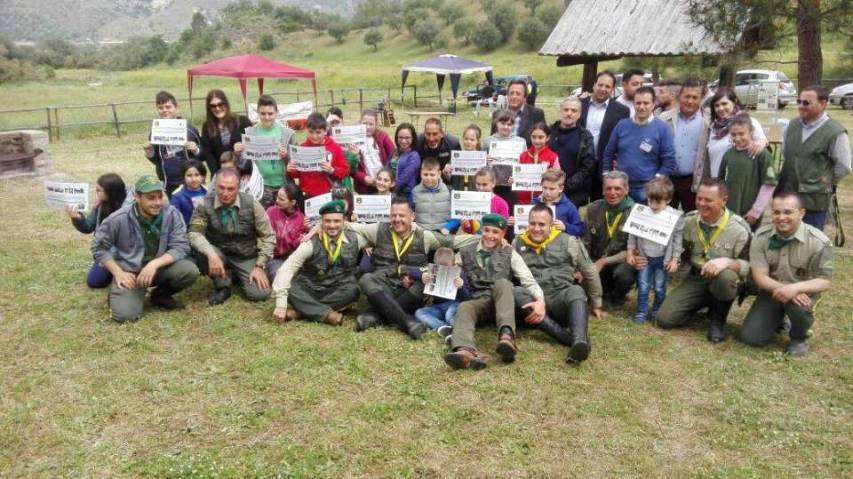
(525, 115)
(600, 115)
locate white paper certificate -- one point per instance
(442, 281)
(313, 205)
(308, 158)
(346, 135)
(470, 205)
(510, 150)
(373, 208)
(370, 154)
(169, 132)
(260, 148)
(467, 163)
(528, 177)
(59, 195)
(521, 213)
(644, 223)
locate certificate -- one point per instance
(506, 149)
(442, 285)
(313, 205)
(521, 213)
(528, 177)
(644, 223)
(470, 205)
(59, 195)
(372, 208)
(467, 163)
(370, 156)
(308, 158)
(171, 132)
(260, 148)
(346, 135)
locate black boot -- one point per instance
(162, 297)
(409, 302)
(384, 304)
(366, 320)
(718, 311)
(553, 329)
(219, 296)
(578, 323)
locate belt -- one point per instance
(680, 177)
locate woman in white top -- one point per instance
(725, 106)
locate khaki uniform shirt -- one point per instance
(807, 256)
(519, 270)
(732, 243)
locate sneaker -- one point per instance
(444, 331)
(448, 340)
(640, 318)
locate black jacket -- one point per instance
(530, 115)
(574, 147)
(442, 153)
(614, 113)
(212, 147)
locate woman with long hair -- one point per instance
(222, 130)
(725, 107)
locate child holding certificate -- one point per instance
(653, 260)
(442, 313)
(504, 121)
(471, 138)
(273, 172)
(484, 181)
(538, 153)
(315, 183)
(431, 197)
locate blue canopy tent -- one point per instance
(444, 65)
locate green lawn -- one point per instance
(224, 392)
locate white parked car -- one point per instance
(747, 81)
(842, 95)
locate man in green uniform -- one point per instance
(144, 244)
(716, 241)
(490, 265)
(318, 279)
(233, 238)
(555, 259)
(604, 239)
(397, 246)
(791, 263)
(816, 152)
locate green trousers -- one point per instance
(693, 294)
(371, 283)
(557, 302)
(498, 306)
(315, 303)
(765, 317)
(126, 303)
(236, 269)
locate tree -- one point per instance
(549, 15)
(198, 22)
(744, 27)
(267, 42)
(339, 29)
(265, 7)
(487, 36)
(450, 12)
(412, 17)
(532, 33)
(369, 13)
(394, 17)
(502, 16)
(372, 38)
(533, 5)
(426, 32)
(464, 29)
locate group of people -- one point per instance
(568, 264)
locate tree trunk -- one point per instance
(810, 68)
(727, 75)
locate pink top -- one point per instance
(288, 230)
(500, 206)
(546, 156)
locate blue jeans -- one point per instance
(638, 193)
(815, 218)
(98, 277)
(653, 274)
(437, 315)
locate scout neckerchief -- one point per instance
(778, 241)
(401, 251)
(708, 244)
(613, 224)
(538, 248)
(334, 256)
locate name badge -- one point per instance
(646, 146)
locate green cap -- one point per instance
(494, 220)
(334, 206)
(147, 184)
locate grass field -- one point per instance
(225, 392)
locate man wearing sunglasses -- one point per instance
(816, 152)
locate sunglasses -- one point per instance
(216, 106)
(804, 102)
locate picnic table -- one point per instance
(415, 116)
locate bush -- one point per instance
(487, 36)
(502, 16)
(412, 17)
(464, 29)
(426, 32)
(532, 33)
(267, 42)
(338, 30)
(450, 13)
(549, 16)
(372, 38)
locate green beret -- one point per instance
(494, 220)
(334, 206)
(147, 184)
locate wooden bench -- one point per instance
(18, 164)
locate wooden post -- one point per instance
(590, 70)
(415, 94)
(115, 120)
(56, 120)
(49, 125)
(360, 101)
(331, 97)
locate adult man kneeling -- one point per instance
(144, 244)
(324, 270)
(233, 237)
(716, 241)
(490, 266)
(555, 258)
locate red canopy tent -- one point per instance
(244, 67)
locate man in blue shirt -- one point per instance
(641, 146)
(690, 131)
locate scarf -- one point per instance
(538, 248)
(777, 241)
(720, 127)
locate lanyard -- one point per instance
(401, 251)
(333, 256)
(708, 244)
(612, 225)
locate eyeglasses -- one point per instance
(216, 106)
(804, 102)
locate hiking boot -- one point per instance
(797, 348)
(334, 318)
(292, 315)
(464, 359)
(219, 296)
(506, 348)
(366, 320)
(165, 300)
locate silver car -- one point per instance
(842, 95)
(747, 82)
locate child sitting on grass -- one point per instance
(442, 313)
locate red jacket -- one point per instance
(386, 152)
(315, 183)
(546, 156)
